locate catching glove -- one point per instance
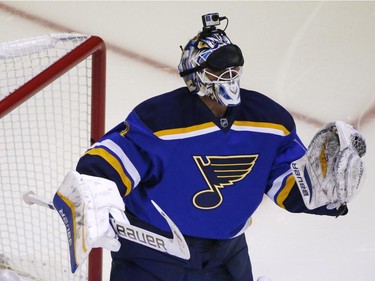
(331, 172)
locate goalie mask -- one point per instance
(211, 66)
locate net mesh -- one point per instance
(40, 141)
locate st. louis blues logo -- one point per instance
(219, 172)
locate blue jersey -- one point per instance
(208, 174)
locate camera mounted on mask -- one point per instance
(211, 65)
(227, 56)
(210, 21)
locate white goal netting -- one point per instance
(40, 140)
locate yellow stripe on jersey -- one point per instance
(201, 129)
(272, 127)
(115, 165)
(289, 183)
(180, 133)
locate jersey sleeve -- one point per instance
(119, 157)
(282, 187)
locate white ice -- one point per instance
(315, 58)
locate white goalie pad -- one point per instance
(93, 213)
(332, 171)
(84, 204)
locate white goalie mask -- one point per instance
(212, 66)
(224, 87)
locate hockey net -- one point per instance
(51, 109)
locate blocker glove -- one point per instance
(85, 203)
(332, 171)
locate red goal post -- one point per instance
(52, 107)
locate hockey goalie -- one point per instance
(328, 176)
(171, 189)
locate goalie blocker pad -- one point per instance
(84, 204)
(331, 172)
(90, 206)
